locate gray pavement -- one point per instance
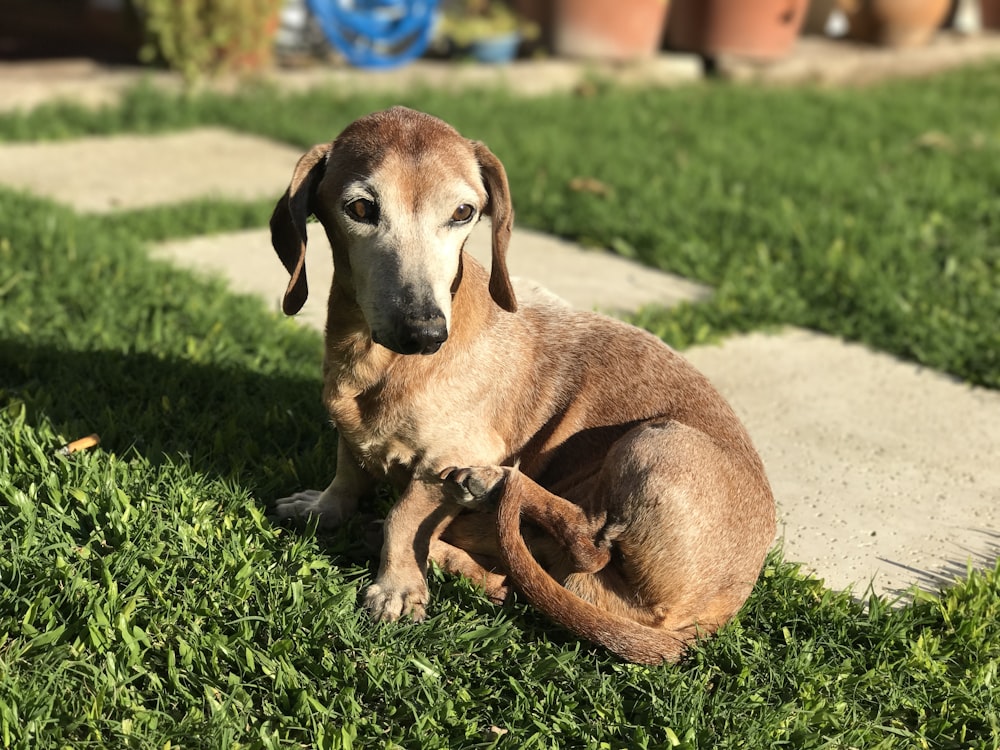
(585, 278)
(816, 60)
(884, 473)
(137, 171)
(824, 61)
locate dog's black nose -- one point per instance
(421, 336)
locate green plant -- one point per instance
(209, 37)
(464, 22)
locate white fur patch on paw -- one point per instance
(330, 513)
(390, 603)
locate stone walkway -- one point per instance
(885, 473)
(816, 60)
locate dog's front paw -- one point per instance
(329, 510)
(388, 603)
(475, 487)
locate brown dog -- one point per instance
(646, 511)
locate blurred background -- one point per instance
(206, 37)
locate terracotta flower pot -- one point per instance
(762, 29)
(608, 29)
(990, 13)
(895, 23)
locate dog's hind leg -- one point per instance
(481, 570)
(581, 537)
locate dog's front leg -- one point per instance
(411, 527)
(336, 503)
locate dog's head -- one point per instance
(398, 193)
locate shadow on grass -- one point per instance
(264, 432)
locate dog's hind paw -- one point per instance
(475, 487)
(389, 603)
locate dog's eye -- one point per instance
(362, 210)
(463, 213)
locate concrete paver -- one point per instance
(100, 174)
(821, 60)
(586, 279)
(24, 85)
(884, 472)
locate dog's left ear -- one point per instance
(288, 224)
(502, 220)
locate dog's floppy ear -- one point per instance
(502, 220)
(288, 224)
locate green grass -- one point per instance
(145, 601)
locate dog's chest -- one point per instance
(422, 432)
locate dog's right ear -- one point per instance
(288, 224)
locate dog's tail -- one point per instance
(627, 638)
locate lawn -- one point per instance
(147, 602)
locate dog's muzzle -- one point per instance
(422, 334)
